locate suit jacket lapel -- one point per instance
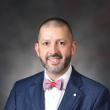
(35, 96)
(73, 95)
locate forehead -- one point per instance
(54, 32)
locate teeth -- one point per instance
(54, 60)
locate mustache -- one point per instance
(55, 56)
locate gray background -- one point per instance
(90, 20)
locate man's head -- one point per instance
(55, 45)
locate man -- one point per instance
(59, 87)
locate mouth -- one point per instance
(54, 60)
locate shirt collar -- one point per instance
(65, 76)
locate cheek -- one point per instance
(42, 55)
(68, 51)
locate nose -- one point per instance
(53, 49)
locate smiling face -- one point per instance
(55, 48)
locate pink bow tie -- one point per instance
(47, 84)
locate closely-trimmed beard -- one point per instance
(58, 69)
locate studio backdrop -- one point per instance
(19, 19)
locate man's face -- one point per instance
(55, 48)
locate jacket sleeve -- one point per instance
(103, 101)
(11, 102)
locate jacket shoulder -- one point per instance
(91, 84)
(28, 81)
(93, 88)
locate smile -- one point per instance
(54, 60)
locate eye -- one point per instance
(45, 43)
(62, 43)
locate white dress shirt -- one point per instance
(54, 96)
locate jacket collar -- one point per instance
(73, 94)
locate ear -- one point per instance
(37, 48)
(74, 48)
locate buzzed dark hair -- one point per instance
(57, 22)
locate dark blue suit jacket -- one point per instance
(28, 94)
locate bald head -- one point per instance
(55, 22)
